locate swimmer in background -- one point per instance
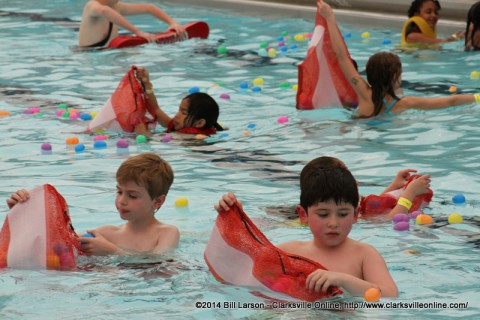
(143, 182)
(421, 27)
(384, 75)
(472, 31)
(101, 18)
(197, 114)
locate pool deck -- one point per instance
(374, 13)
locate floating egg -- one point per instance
(181, 202)
(455, 218)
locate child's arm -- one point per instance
(115, 17)
(144, 77)
(18, 196)
(99, 246)
(132, 9)
(437, 103)
(360, 86)
(415, 188)
(400, 180)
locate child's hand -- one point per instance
(401, 179)
(97, 246)
(149, 36)
(142, 75)
(18, 196)
(324, 9)
(178, 29)
(320, 280)
(418, 186)
(227, 202)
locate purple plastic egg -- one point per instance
(415, 214)
(399, 217)
(401, 226)
(122, 143)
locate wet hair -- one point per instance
(149, 171)
(202, 106)
(417, 5)
(473, 17)
(324, 184)
(321, 163)
(383, 69)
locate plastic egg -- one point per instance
(458, 199)
(401, 226)
(80, 147)
(141, 139)
(122, 143)
(167, 138)
(62, 106)
(221, 49)
(366, 35)
(193, 90)
(258, 81)
(46, 146)
(4, 113)
(282, 119)
(400, 217)
(272, 53)
(474, 75)
(372, 295)
(99, 144)
(423, 219)
(225, 96)
(72, 141)
(181, 202)
(415, 214)
(256, 89)
(455, 218)
(452, 89)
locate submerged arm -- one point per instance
(437, 103)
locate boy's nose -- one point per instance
(332, 221)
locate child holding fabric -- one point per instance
(328, 201)
(143, 182)
(384, 75)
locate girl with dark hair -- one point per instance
(197, 114)
(384, 75)
(472, 31)
(421, 27)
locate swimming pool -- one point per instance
(262, 166)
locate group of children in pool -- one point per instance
(328, 192)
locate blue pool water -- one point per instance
(39, 69)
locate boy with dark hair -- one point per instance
(328, 202)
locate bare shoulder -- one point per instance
(108, 230)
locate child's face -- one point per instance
(133, 202)
(429, 12)
(330, 223)
(181, 115)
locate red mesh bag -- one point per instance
(321, 82)
(126, 107)
(38, 233)
(238, 253)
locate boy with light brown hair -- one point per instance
(143, 182)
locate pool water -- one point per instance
(257, 158)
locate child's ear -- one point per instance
(159, 202)
(302, 214)
(200, 123)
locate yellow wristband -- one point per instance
(405, 202)
(149, 91)
(477, 98)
